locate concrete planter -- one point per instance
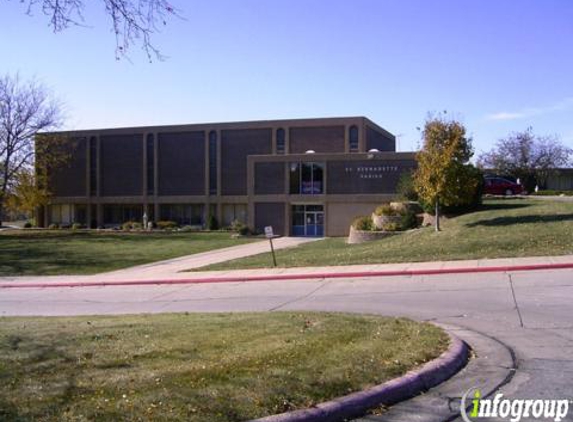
(361, 236)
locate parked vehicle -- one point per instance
(501, 186)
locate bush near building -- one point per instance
(167, 225)
(132, 225)
(363, 223)
(212, 223)
(390, 217)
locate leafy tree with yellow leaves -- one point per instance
(26, 194)
(444, 176)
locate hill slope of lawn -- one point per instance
(499, 229)
(199, 367)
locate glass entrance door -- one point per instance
(308, 220)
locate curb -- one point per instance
(285, 277)
(390, 392)
(493, 366)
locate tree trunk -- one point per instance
(1, 210)
(437, 224)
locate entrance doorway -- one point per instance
(308, 220)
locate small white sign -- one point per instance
(269, 231)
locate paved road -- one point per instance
(532, 312)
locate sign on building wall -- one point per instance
(366, 176)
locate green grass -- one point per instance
(199, 367)
(553, 193)
(51, 252)
(501, 228)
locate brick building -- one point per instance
(307, 177)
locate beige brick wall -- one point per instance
(340, 215)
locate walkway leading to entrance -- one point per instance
(189, 262)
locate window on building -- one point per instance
(93, 222)
(281, 141)
(121, 213)
(306, 178)
(80, 213)
(294, 178)
(353, 138)
(232, 212)
(93, 166)
(182, 214)
(150, 147)
(212, 214)
(317, 178)
(212, 163)
(62, 214)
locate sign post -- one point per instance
(269, 234)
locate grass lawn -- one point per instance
(501, 228)
(199, 367)
(51, 252)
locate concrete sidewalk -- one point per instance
(165, 272)
(174, 266)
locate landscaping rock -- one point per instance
(361, 236)
(430, 220)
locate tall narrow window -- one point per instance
(294, 176)
(93, 166)
(353, 138)
(280, 141)
(212, 163)
(150, 147)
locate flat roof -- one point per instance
(314, 121)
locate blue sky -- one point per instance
(497, 65)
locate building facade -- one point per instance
(304, 177)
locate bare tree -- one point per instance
(131, 20)
(527, 156)
(25, 109)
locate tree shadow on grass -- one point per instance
(486, 207)
(502, 206)
(522, 219)
(37, 361)
(31, 360)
